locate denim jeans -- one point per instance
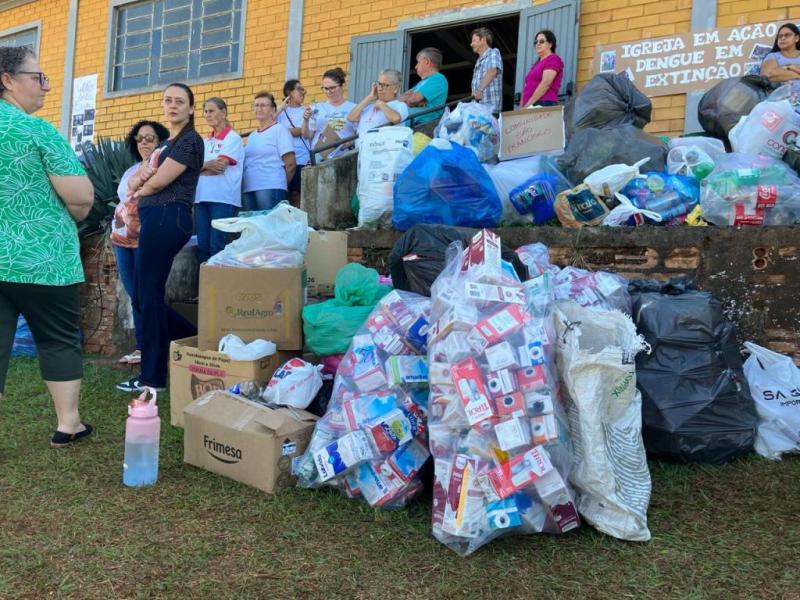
(126, 266)
(210, 240)
(164, 231)
(262, 199)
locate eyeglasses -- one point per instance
(383, 86)
(302, 90)
(540, 42)
(44, 80)
(147, 137)
(788, 34)
(328, 90)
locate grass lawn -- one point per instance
(71, 529)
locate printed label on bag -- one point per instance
(767, 195)
(742, 217)
(288, 448)
(771, 120)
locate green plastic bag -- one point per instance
(329, 326)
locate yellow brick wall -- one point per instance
(52, 15)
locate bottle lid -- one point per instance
(143, 408)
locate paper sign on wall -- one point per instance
(529, 131)
(84, 102)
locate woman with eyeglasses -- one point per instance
(44, 191)
(332, 112)
(290, 115)
(165, 198)
(269, 161)
(142, 140)
(543, 81)
(782, 64)
(380, 106)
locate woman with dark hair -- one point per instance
(783, 62)
(43, 192)
(331, 113)
(290, 115)
(165, 215)
(543, 81)
(219, 189)
(141, 142)
(269, 161)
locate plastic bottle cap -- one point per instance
(142, 408)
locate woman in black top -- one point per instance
(166, 197)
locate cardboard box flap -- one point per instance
(284, 420)
(224, 408)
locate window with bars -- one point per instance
(160, 41)
(25, 37)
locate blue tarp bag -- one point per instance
(23, 340)
(445, 185)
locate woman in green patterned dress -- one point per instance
(43, 192)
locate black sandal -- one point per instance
(61, 439)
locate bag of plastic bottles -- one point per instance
(750, 190)
(527, 187)
(671, 196)
(769, 128)
(384, 154)
(711, 146)
(498, 433)
(608, 101)
(691, 161)
(472, 125)
(723, 105)
(372, 443)
(445, 184)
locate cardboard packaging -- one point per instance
(194, 372)
(325, 255)
(253, 304)
(245, 441)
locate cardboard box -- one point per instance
(194, 372)
(253, 304)
(326, 254)
(245, 441)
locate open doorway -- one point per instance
(458, 60)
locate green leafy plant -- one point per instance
(105, 161)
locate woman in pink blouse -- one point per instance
(544, 79)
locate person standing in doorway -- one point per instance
(487, 77)
(432, 88)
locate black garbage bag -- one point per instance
(417, 257)
(696, 404)
(723, 105)
(589, 150)
(609, 100)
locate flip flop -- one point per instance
(61, 439)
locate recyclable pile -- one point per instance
(372, 443)
(497, 430)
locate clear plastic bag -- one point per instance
(497, 430)
(766, 129)
(750, 190)
(671, 196)
(527, 187)
(472, 125)
(711, 146)
(689, 160)
(372, 443)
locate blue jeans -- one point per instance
(262, 199)
(164, 231)
(126, 266)
(210, 240)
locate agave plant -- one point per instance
(105, 162)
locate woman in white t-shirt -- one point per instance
(219, 189)
(380, 106)
(269, 159)
(333, 112)
(290, 115)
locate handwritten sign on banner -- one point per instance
(688, 62)
(531, 131)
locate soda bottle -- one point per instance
(312, 120)
(142, 435)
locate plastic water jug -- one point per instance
(142, 435)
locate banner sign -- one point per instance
(688, 62)
(530, 131)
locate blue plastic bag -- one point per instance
(446, 185)
(23, 340)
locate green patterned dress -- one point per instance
(38, 237)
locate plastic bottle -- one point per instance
(142, 435)
(312, 120)
(669, 205)
(727, 182)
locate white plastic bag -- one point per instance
(711, 146)
(294, 384)
(620, 214)
(596, 352)
(774, 382)
(283, 229)
(689, 160)
(384, 154)
(764, 131)
(472, 125)
(611, 179)
(236, 349)
(506, 176)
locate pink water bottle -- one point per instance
(142, 435)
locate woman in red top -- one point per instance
(543, 81)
